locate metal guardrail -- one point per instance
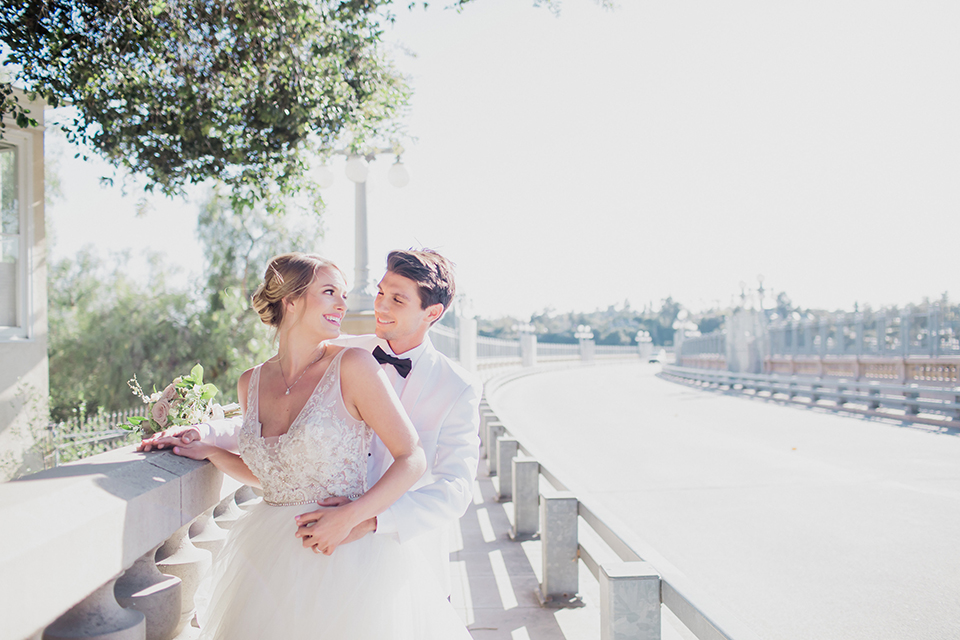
(632, 589)
(912, 402)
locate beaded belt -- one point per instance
(353, 496)
(288, 504)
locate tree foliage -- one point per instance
(181, 91)
(105, 326)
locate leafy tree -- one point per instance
(105, 327)
(182, 91)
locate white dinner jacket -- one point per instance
(443, 402)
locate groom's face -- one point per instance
(401, 318)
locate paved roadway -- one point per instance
(804, 523)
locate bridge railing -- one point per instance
(933, 332)
(934, 405)
(552, 352)
(492, 353)
(708, 351)
(111, 546)
(446, 340)
(635, 582)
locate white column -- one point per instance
(361, 296)
(467, 330)
(528, 349)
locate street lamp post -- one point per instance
(360, 298)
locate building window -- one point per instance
(13, 241)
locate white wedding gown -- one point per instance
(267, 586)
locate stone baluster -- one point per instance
(157, 596)
(227, 512)
(205, 533)
(246, 497)
(178, 557)
(100, 617)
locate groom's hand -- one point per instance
(356, 533)
(169, 438)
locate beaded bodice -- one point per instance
(323, 454)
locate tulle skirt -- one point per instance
(266, 586)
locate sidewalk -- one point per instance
(495, 579)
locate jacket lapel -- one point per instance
(418, 377)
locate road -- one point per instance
(803, 523)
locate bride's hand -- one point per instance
(195, 450)
(170, 437)
(356, 533)
(327, 528)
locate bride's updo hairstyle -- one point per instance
(287, 276)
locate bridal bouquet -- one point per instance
(186, 400)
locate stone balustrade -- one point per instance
(112, 546)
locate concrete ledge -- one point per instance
(64, 532)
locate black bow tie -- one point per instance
(403, 365)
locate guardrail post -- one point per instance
(910, 409)
(560, 550)
(873, 393)
(629, 601)
(495, 430)
(526, 498)
(486, 415)
(507, 449)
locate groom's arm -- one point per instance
(454, 470)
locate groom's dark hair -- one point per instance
(431, 271)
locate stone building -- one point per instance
(24, 372)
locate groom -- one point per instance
(440, 397)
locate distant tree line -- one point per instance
(616, 325)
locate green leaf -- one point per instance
(197, 374)
(209, 391)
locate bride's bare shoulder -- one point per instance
(357, 362)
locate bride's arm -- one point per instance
(368, 396)
(228, 462)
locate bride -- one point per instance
(310, 413)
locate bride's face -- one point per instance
(322, 306)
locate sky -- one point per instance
(663, 148)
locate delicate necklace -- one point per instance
(282, 377)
